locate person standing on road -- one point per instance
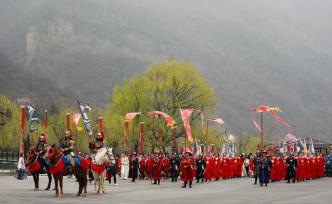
(187, 167)
(124, 167)
(291, 163)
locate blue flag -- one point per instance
(300, 148)
(31, 119)
(84, 109)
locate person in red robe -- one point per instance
(166, 165)
(209, 168)
(274, 169)
(141, 166)
(217, 168)
(157, 166)
(187, 168)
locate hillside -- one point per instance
(257, 52)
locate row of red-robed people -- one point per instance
(215, 167)
(307, 168)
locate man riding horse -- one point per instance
(97, 144)
(67, 144)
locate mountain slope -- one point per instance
(257, 52)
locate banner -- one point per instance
(131, 116)
(291, 139)
(142, 137)
(273, 111)
(275, 116)
(220, 121)
(185, 114)
(168, 119)
(31, 119)
(258, 127)
(84, 109)
(126, 132)
(76, 119)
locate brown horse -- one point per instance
(58, 170)
(36, 166)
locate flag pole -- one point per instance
(207, 132)
(46, 125)
(262, 134)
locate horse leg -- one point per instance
(49, 180)
(61, 185)
(80, 188)
(84, 184)
(56, 180)
(34, 175)
(103, 182)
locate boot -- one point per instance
(190, 183)
(158, 182)
(184, 184)
(255, 180)
(172, 180)
(155, 182)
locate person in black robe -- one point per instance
(200, 166)
(174, 167)
(133, 170)
(291, 163)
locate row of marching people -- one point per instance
(290, 168)
(160, 166)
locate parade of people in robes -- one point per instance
(290, 161)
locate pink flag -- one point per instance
(168, 119)
(185, 114)
(275, 116)
(291, 139)
(76, 119)
(217, 120)
(256, 125)
(131, 116)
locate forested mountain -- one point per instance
(251, 52)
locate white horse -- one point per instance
(103, 155)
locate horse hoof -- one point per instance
(36, 189)
(47, 189)
(84, 195)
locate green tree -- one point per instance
(165, 87)
(9, 123)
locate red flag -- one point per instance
(131, 116)
(185, 114)
(262, 109)
(168, 119)
(125, 132)
(142, 137)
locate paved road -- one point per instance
(231, 191)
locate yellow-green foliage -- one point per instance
(9, 123)
(165, 87)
